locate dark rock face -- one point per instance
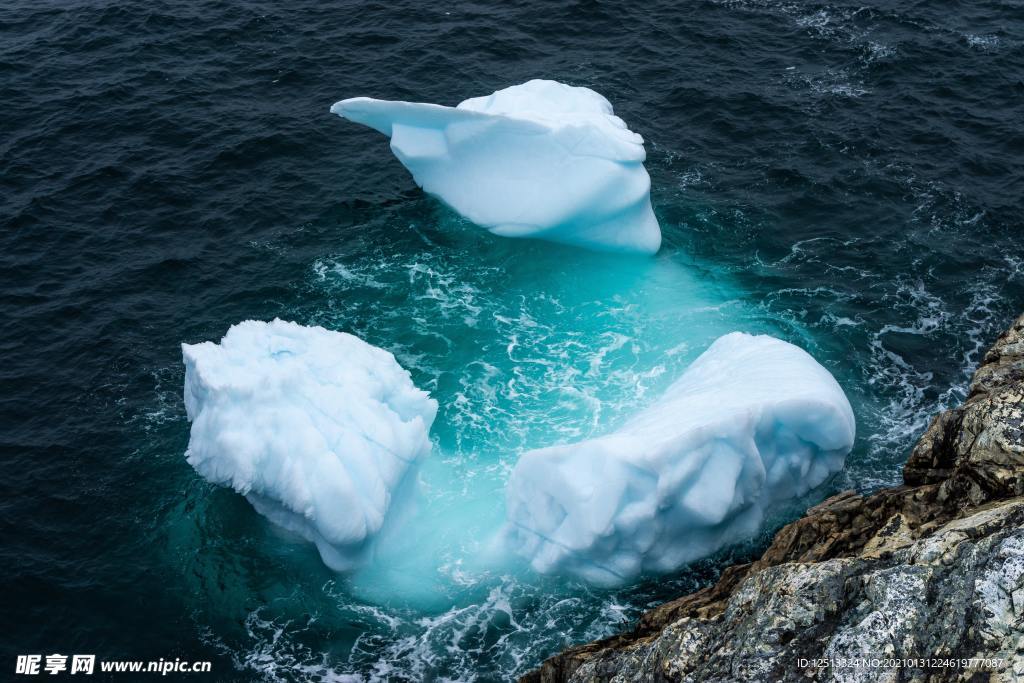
(933, 569)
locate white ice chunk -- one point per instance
(317, 429)
(542, 159)
(754, 420)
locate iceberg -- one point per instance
(753, 421)
(317, 429)
(541, 159)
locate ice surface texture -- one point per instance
(541, 159)
(752, 421)
(318, 429)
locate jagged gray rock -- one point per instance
(931, 570)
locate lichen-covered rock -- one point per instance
(933, 569)
(976, 451)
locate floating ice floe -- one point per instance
(319, 430)
(542, 159)
(754, 420)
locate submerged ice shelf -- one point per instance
(541, 159)
(523, 344)
(317, 429)
(754, 420)
(321, 432)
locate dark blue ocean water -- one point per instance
(847, 176)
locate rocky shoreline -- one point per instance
(930, 573)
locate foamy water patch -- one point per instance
(897, 331)
(510, 628)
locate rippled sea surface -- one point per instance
(847, 176)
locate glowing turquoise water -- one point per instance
(523, 344)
